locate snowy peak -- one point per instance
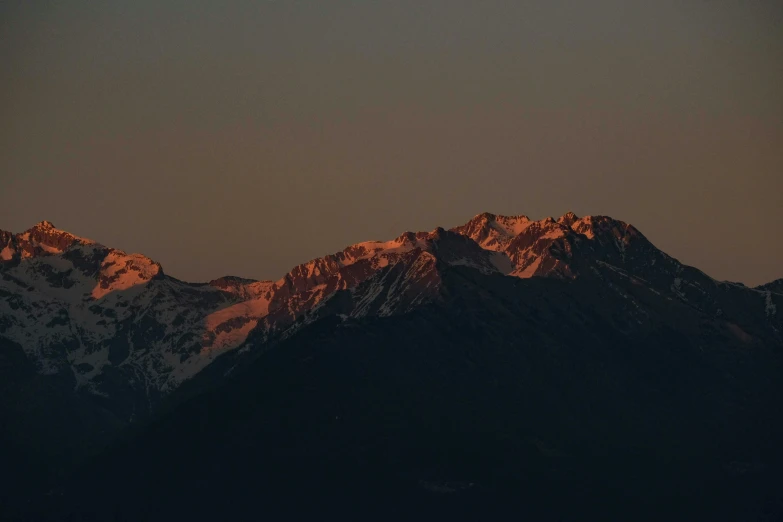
(568, 219)
(42, 239)
(525, 244)
(355, 264)
(53, 261)
(493, 232)
(44, 226)
(604, 228)
(51, 239)
(550, 247)
(487, 225)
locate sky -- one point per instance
(246, 137)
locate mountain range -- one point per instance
(558, 368)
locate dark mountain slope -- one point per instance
(539, 398)
(774, 286)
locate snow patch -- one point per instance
(256, 308)
(529, 270)
(49, 249)
(511, 225)
(370, 294)
(121, 271)
(770, 307)
(555, 233)
(227, 340)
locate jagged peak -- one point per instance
(47, 233)
(485, 216)
(406, 237)
(488, 223)
(568, 219)
(44, 225)
(43, 238)
(507, 223)
(592, 226)
(514, 217)
(500, 218)
(47, 227)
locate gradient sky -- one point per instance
(245, 137)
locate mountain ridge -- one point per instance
(232, 307)
(95, 333)
(540, 396)
(106, 309)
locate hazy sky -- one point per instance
(246, 137)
